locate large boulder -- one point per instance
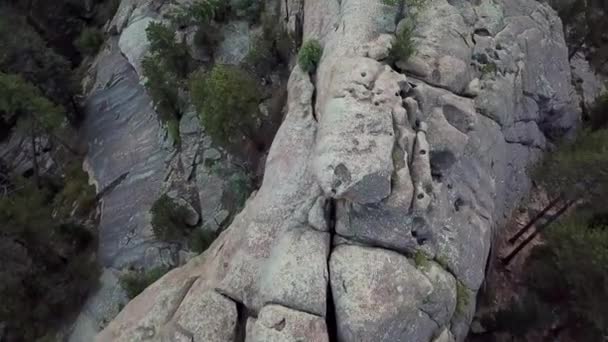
(398, 179)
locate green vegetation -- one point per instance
(309, 55)
(227, 101)
(26, 54)
(47, 263)
(173, 56)
(240, 185)
(421, 260)
(89, 41)
(135, 282)
(76, 194)
(462, 298)
(404, 46)
(567, 276)
(165, 69)
(200, 12)
(201, 239)
(488, 69)
(22, 103)
(168, 219)
(391, 2)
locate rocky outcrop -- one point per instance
(382, 186)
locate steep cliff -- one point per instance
(383, 185)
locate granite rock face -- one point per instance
(382, 186)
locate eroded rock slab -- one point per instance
(280, 324)
(377, 295)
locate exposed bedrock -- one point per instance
(375, 216)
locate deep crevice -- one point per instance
(330, 315)
(313, 100)
(241, 322)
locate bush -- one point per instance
(574, 270)
(200, 12)
(404, 46)
(310, 55)
(200, 240)
(136, 282)
(598, 115)
(171, 55)
(76, 192)
(227, 101)
(168, 219)
(462, 298)
(249, 9)
(163, 88)
(47, 264)
(579, 169)
(89, 41)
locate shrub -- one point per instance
(575, 270)
(168, 219)
(200, 240)
(89, 41)
(135, 282)
(462, 298)
(76, 191)
(200, 12)
(227, 101)
(249, 9)
(521, 316)
(173, 56)
(310, 55)
(421, 260)
(163, 88)
(599, 112)
(404, 46)
(579, 169)
(488, 69)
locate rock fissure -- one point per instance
(330, 315)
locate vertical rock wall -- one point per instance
(383, 186)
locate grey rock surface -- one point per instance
(124, 158)
(377, 295)
(280, 324)
(372, 167)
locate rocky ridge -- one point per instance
(383, 186)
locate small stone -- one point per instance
(473, 88)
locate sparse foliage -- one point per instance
(168, 219)
(135, 282)
(404, 46)
(227, 101)
(309, 55)
(89, 41)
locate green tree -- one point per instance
(172, 55)
(135, 282)
(571, 270)
(168, 219)
(89, 41)
(34, 114)
(227, 101)
(24, 52)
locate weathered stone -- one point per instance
(588, 84)
(134, 42)
(295, 275)
(525, 133)
(207, 315)
(133, 164)
(192, 216)
(364, 278)
(277, 323)
(353, 151)
(235, 44)
(318, 215)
